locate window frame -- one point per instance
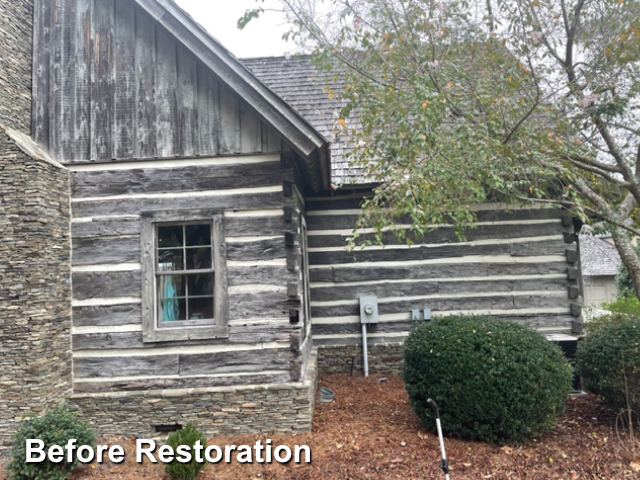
(184, 329)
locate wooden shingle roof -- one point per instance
(598, 257)
(308, 90)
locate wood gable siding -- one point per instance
(516, 266)
(111, 83)
(262, 212)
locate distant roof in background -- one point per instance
(306, 89)
(598, 257)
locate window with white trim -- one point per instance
(184, 276)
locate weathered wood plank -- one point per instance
(384, 289)
(187, 94)
(81, 148)
(271, 142)
(445, 235)
(229, 141)
(102, 81)
(340, 274)
(250, 130)
(94, 251)
(492, 302)
(179, 179)
(110, 316)
(447, 251)
(55, 81)
(41, 71)
(145, 77)
(260, 305)
(167, 133)
(208, 112)
(106, 227)
(125, 86)
(179, 383)
(135, 206)
(239, 335)
(236, 361)
(257, 250)
(66, 123)
(348, 221)
(260, 274)
(104, 367)
(106, 285)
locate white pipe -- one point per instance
(365, 358)
(442, 451)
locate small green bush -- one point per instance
(628, 305)
(55, 427)
(494, 380)
(188, 435)
(609, 362)
(597, 323)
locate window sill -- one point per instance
(184, 334)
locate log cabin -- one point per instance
(173, 247)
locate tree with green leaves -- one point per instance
(450, 103)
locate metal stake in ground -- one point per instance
(444, 464)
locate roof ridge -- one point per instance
(276, 57)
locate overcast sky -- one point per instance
(261, 38)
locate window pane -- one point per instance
(198, 235)
(198, 258)
(170, 236)
(170, 260)
(200, 284)
(200, 308)
(171, 286)
(172, 309)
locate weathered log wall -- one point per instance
(111, 83)
(515, 265)
(262, 211)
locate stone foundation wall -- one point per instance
(35, 281)
(275, 408)
(16, 36)
(384, 358)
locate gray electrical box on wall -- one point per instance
(369, 309)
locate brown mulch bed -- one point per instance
(369, 431)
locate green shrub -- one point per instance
(55, 427)
(597, 323)
(188, 435)
(494, 380)
(628, 305)
(608, 359)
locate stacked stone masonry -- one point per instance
(273, 408)
(16, 33)
(35, 296)
(383, 358)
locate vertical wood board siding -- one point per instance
(111, 83)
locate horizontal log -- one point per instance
(260, 305)
(104, 367)
(235, 362)
(106, 285)
(340, 274)
(493, 302)
(178, 179)
(445, 235)
(95, 251)
(135, 206)
(385, 289)
(348, 221)
(180, 383)
(234, 227)
(278, 332)
(110, 316)
(258, 250)
(259, 274)
(106, 227)
(532, 248)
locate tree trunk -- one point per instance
(627, 255)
